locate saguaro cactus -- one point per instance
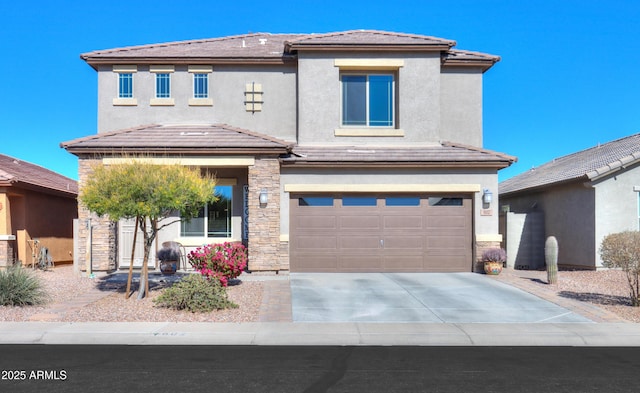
(551, 258)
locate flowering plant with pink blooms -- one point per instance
(223, 261)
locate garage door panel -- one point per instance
(317, 263)
(316, 222)
(402, 222)
(404, 263)
(360, 263)
(360, 222)
(359, 242)
(325, 242)
(444, 222)
(403, 243)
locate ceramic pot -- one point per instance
(168, 267)
(492, 268)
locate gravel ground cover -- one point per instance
(62, 285)
(607, 289)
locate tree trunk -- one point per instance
(133, 253)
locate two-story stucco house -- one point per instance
(355, 151)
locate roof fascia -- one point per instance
(395, 164)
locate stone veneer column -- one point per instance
(482, 246)
(6, 253)
(104, 246)
(264, 221)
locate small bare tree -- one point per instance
(149, 193)
(622, 250)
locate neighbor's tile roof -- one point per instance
(15, 172)
(440, 154)
(192, 139)
(584, 165)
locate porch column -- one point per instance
(103, 251)
(264, 219)
(6, 238)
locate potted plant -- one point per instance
(169, 256)
(494, 259)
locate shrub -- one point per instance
(494, 255)
(195, 293)
(20, 287)
(221, 261)
(622, 250)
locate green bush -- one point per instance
(196, 294)
(622, 250)
(20, 287)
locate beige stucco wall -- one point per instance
(422, 94)
(461, 106)
(616, 199)
(226, 90)
(569, 215)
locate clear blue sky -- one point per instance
(569, 76)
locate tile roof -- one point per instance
(584, 165)
(365, 38)
(445, 154)
(15, 172)
(278, 48)
(188, 139)
(247, 46)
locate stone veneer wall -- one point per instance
(6, 253)
(480, 248)
(104, 235)
(265, 249)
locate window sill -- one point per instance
(200, 102)
(162, 102)
(125, 101)
(377, 132)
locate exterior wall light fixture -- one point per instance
(487, 196)
(264, 197)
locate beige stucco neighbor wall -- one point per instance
(101, 255)
(265, 248)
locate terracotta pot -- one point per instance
(168, 267)
(493, 268)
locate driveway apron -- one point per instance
(417, 297)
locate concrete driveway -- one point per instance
(417, 297)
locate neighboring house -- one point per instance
(579, 199)
(36, 206)
(356, 151)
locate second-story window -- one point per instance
(368, 100)
(200, 85)
(163, 85)
(125, 85)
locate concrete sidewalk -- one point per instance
(274, 333)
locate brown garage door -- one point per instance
(378, 233)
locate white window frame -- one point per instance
(129, 78)
(204, 235)
(367, 124)
(160, 78)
